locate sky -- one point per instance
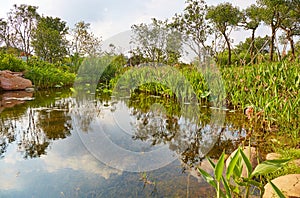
(108, 18)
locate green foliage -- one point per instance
(46, 75)
(48, 39)
(10, 62)
(234, 181)
(156, 42)
(224, 16)
(192, 25)
(271, 88)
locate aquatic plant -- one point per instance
(233, 180)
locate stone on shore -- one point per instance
(13, 81)
(289, 185)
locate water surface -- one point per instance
(53, 144)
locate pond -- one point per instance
(55, 144)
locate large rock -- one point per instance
(251, 154)
(13, 81)
(288, 184)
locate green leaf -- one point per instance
(269, 166)
(208, 178)
(247, 162)
(211, 163)
(219, 167)
(232, 164)
(277, 190)
(237, 170)
(226, 186)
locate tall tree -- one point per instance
(193, 26)
(84, 42)
(271, 15)
(251, 20)
(224, 17)
(290, 24)
(22, 20)
(156, 41)
(49, 39)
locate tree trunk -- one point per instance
(290, 39)
(229, 48)
(252, 45)
(272, 43)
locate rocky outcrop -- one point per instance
(13, 81)
(288, 184)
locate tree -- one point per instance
(156, 42)
(84, 42)
(260, 48)
(251, 20)
(48, 39)
(272, 16)
(193, 26)
(4, 33)
(291, 24)
(22, 20)
(224, 17)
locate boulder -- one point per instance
(288, 184)
(13, 81)
(273, 156)
(252, 157)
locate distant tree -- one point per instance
(224, 17)
(261, 46)
(193, 26)
(4, 33)
(84, 42)
(251, 19)
(156, 42)
(49, 39)
(22, 21)
(272, 15)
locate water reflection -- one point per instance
(43, 154)
(32, 127)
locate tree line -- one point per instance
(28, 31)
(203, 28)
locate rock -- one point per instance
(288, 184)
(296, 162)
(253, 159)
(273, 156)
(13, 81)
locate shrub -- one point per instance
(12, 63)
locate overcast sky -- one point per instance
(108, 18)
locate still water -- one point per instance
(54, 144)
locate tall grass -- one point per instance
(269, 87)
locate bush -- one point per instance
(12, 63)
(46, 75)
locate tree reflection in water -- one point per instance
(35, 124)
(33, 127)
